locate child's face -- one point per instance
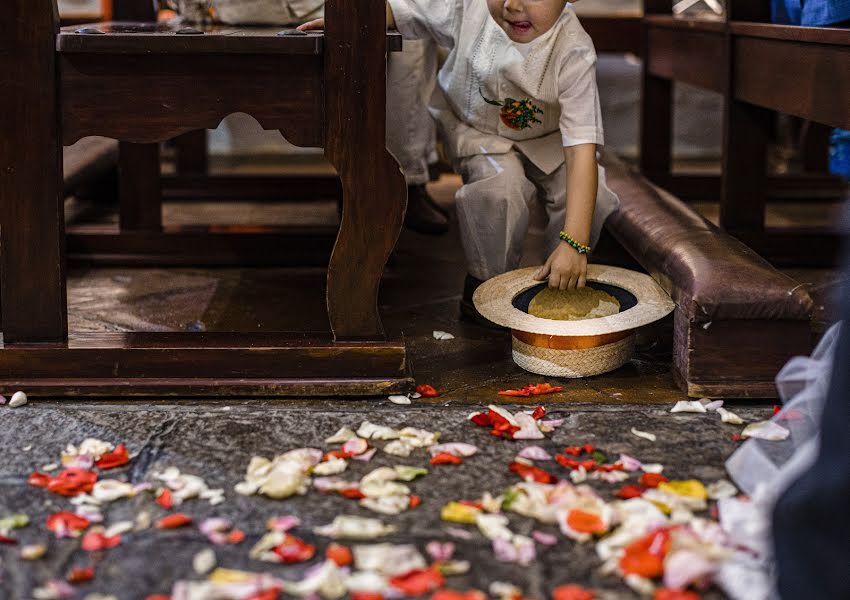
(525, 20)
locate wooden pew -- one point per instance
(746, 61)
(325, 90)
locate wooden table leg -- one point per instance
(140, 190)
(32, 250)
(374, 190)
(742, 195)
(656, 122)
(191, 153)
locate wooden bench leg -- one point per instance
(140, 193)
(374, 190)
(32, 236)
(656, 123)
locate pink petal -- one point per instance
(504, 551)
(355, 446)
(534, 453)
(284, 523)
(553, 423)
(366, 456)
(629, 463)
(685, 567)
(547, 539)
(440, 551)
(528, 428)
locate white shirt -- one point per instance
(556, 72)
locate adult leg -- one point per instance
(411, 132)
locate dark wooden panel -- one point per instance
(807, 80)
(797, 247)
(202, 246)
(139, 187)
(794, 33)
(785, 188)
(32, 248)
(736, 359)
(688, 55)
(134, 10)
(615, 34)
(213, 387)
(87, 160)
(219, 355)
(148, 100)
(162, 38)
(251, 187)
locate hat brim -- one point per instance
(494, 300)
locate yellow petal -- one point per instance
(690, 488)
(459, 513)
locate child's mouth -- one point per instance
(520, 26)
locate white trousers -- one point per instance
(411, 77)
(493, 209)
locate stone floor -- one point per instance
(216, 439)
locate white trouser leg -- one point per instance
(492, 212)
(553, 194)
(411, 77)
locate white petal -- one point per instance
(721, 489)
(766, 430)
(714, 405)
(534, 453)
(727, 416)
(399, 399)
(341, 436)
(455, 448)
(689, 406)
(442, 335)
(204, 561)
(643, 434)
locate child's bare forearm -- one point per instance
(582, 183)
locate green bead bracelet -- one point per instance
(579, 247)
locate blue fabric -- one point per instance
(811, 522)
(811, 13)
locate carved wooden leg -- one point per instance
(374, 190)
(32, 242)
(140, 191)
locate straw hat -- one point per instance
(573, 348)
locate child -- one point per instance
(518, 109)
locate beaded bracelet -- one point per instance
(579, 247)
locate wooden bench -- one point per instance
(759, 68)
(325, 90)
(737, 319)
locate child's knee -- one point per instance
(494, 181)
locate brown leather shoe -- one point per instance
(422, 216)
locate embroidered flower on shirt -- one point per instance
(515, 114)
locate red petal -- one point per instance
(566, 462)
(418, 582)
(585, 522)
(543, 388)
(532, 472)
(7, 540)
(414, 501)
(237, 536)
(352, 493)
(269, 594)
(174, 521)
(72, 482)
(571, 592)
(573, 450)
(588, 448)
(366, 596)
(629, 491)
(337, 454)
(158, 597)
(340, 554)
(444, 458)
(776, 409)
(652, 480)
(62, 522)
(94, 541)
(165, 499)
(481, 419)
(453, 595)
(523, 392)
(116, 458)
(427, 391)
(538, 413)
(294, 550)
(39, 479)
(668, 594)
(81, 574)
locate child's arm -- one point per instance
(320, 23)
(566, 268)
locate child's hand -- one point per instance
(566, 269)
(312, 25)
